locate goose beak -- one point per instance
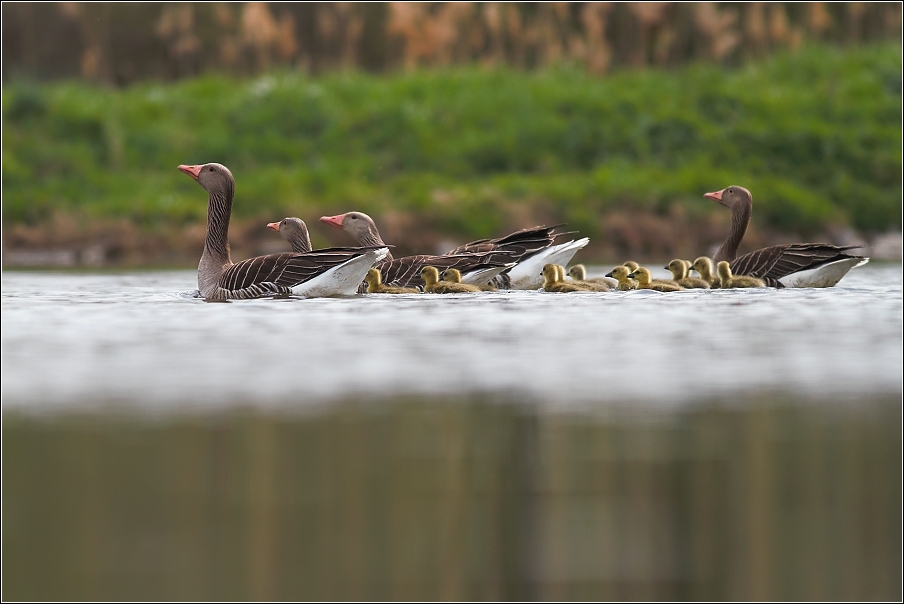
(335, 221)
(715, 195)
(631, 276)
(273, 225)
(609, 274)
(193, 171)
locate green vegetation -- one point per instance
(816, 136)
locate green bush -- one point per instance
(815, 135)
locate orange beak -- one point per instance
(335, 221)
(715, 196)
(273, 225)
(193, 171)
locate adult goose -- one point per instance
(295, 232)
(789, 265)
(477, 268)
(529, 249)
(327, 272)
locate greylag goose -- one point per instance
(789, 265)
(476, 268)
(620, 273)
(375, 285)
(704, 266)
(328, 272)
(678, 268)
(430, 275)
(644, 281)
(730, 281)
(295, 231)
(553, 282)
(453, 275)
(579, 274)
(528, 249)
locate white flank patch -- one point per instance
(528, 273)
(342, 280)
(826, 275)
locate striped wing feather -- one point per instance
(772, 263)
(287, 269)
(406, 272)
(520, 243)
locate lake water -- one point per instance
(142, 341)
(702, 445)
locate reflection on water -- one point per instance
(459, 499)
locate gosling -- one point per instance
(679, 268)
(741, 281)
(552, 281)
(644, 282)
(704, 266)
(375, 285)
(620, 273)
(453, 275)
(578, 275)
(430, 275)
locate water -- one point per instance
(142, 342)
(721, 445)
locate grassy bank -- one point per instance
(464, 153)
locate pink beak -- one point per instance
(193, 171)
(715, 196)
(335, 221)
(273, 225)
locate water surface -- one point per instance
(144, 341)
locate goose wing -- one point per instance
(406, 272)
(525, 241)
(287, 269)
(772, 263)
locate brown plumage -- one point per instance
(679, 268)
(730, 281)
(274, 274)
(770, 263)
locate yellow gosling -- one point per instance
(620, 274)
(645, 282)
(430, 275)
(578, 275)
(740, 281)
(453, 275)
(553, 283)
(632, 266)
(679, 269)
(375, 285)
(704, 266)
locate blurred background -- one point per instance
(446, 122)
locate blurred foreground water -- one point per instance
(699, 445)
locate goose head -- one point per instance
(212, 177)
(731, 197)
(704, 266)
(357, 224)
(620, 272)
(631, 265)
